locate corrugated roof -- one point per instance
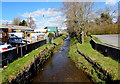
(16, 27)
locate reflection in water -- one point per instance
(60, 68)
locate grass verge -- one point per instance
(19, 65)
(0, 75)
(81, 62)
(106, 63)
(97, 40)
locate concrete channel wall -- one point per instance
(106, 50)
(13, 54)
(96, 66)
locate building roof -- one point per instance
(51, 28)
(15, 27)
(40, 30)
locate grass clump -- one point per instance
(64, 36)
(59, 40)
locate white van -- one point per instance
(16, 34)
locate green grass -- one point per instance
(0, 75)
(63, 36)
(18, 66)
(97, 40)
(81, 62)
(59, 40)
(107, 63)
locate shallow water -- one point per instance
(60, 68)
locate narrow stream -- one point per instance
(60, 68)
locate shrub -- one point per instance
(105, 29)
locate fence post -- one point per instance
(21, 50)
(17, 48)
(26, 46)
(7, 61)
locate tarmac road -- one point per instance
(110, 39)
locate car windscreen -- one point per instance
(20, 40)
(16, 40)
(9, 47)
(2, 43)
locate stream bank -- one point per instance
(59, 68)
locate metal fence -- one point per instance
(13, 54)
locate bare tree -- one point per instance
(106, 15)
(5, 23)
(78, 16)
(70, 11)
(85, 9)
(31, 22)
(16, 21)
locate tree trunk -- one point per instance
(83, 37)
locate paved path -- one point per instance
(110, 39)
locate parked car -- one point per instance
(17, 41)
(15, 34)
(4, 46)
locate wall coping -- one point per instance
(118, 48)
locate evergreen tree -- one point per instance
(105, 18)
(23, 23)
